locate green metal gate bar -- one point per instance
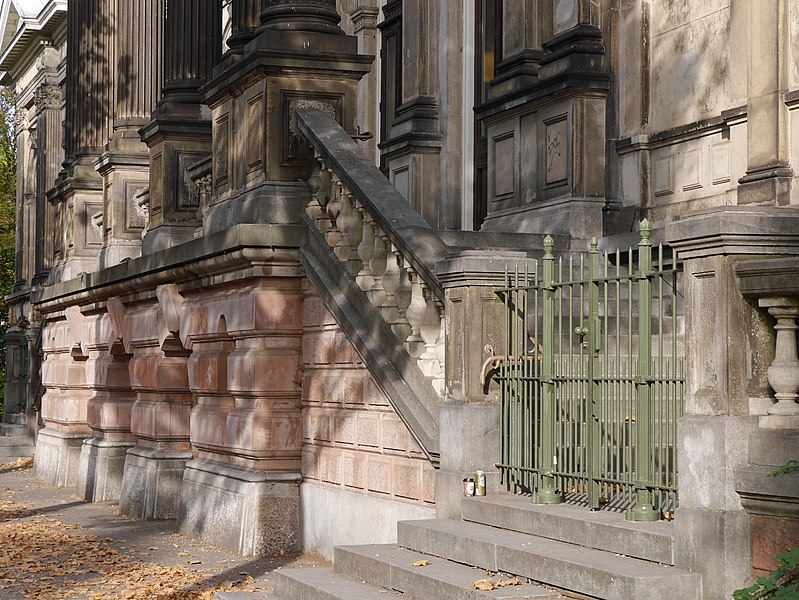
(592, 379)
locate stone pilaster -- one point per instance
(48, 103)
(725, 341)
(768, 171)
(124, 165)
(159, 421)
(179, 133)
(364, 19)
(78, 193)
(246, 427)
(65, 402)
(108, 414)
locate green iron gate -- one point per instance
(592, 379)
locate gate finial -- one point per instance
(549, 246)
(645, 229)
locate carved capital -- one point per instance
(47, 96)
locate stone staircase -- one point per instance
(15, 441)
(556, 552)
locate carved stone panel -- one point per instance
(294, 147)
(135, 219)
(221, 150)
(187, 196)
(557, 150)
(92, 230)
(255, 134)
(157, 183)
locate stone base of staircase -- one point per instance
(555, 552)
(15, 442)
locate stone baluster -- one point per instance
(391, 283)
(440, 352)
(377, 264)
(333, 208)
(415, 313)
(430, 331)
(402, 297)
(344, 222)
(365, 278)
(783, 374)
(354, 236)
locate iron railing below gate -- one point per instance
(592, 379)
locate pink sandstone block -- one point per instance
(368, 429)
(344, 428)
(353, 469)
(330, 465)
(312, 312)
(309, 463)
(407, 478)
(395, 433)
(275, 311)
(379, 474)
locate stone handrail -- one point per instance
(384, 245)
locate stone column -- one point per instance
(124, 165)
(246, 19)
(179, 133)
(768, 172)
(48, 132)
(78, 192)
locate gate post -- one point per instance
(546, 493)
(644, 509)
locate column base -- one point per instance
(57, 457)
(151, 483)
(249, 512)
(102, 463)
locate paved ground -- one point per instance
(54, 546)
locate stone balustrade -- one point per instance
(397, 290)
(783, 374)
(359, 214)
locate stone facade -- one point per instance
(226, 314)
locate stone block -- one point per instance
(407, 478)
(344, 429)
(332, 516)
(395, 434)
(379, 474)
(716, 544)
(309, 462)
(772, 536)
(248, 512)
(312, 312)
(102, 463)
(58, 457)
(353, 469)
(710, 450)
(773, 447)
(151, 483)
(330, 465)
(368, 429)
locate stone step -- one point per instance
(245, 596)
(390, 566)
(12, 429)
(12, 453)
(324, 584)
(597, 573)
(15, 440)
(602, 530)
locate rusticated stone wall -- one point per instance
(352, 438)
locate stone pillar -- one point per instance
(78, 192)
(245, 19)
(261, 159)
(364, 19)
(246, 428)
(48, 139)
(124, 165)
(768, 172)
(153, 472)
(65, 402)
(475, 331)
(724, 340)
(179, 133)
(411, 154)
(108, 414)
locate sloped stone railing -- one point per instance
(377, 255)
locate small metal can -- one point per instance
(480, 483)
(468, 487)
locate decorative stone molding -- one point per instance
(75, 320)
(47, 96)
(783, 374)
(171, 304)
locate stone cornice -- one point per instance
(239, 252)
(31, 31)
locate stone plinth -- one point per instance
(151, 483)
(58, 457)
(247, 511)
(100, 469)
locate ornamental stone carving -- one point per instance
(47, 96)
